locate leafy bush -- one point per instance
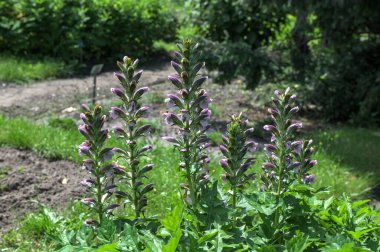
(77, 30)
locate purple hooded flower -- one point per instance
(142, 111)
(205, 102)
(116, 112)
(175, 80)
(88, 201)
(139, 92)
(269, 147)
(198, 82)
(295, 126)
(169, 103)
(84, 148)
(176, 66)
(110, 208)
(107, 154)
(87, 182)
(267, 165)
(171, 119)
(170, 139)
(294, 110)
(273, 111)
(311, 163)
(224, 163)
(224, 150)
(251, 146)
(277, 93)
(119, 132)
(83, 129)
(269, 128)
(309, 179)
(87, 164)
(120, 76)
(118, 92)
(85, 107)
(84, 118)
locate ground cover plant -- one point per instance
(274, 208)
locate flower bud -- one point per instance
(224, 150)
(224, 163)
(176, 66)
(120, 76)
(175, 80)
(269, 128)
(295, 126)
(139, 92)
(137, 76)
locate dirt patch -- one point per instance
(25, 177)
(53, 96)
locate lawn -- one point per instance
(23, 70)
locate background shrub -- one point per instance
(83, 30)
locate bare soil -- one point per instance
(54, 96)
(26, 178)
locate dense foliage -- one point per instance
(83, 30)
(329, 47)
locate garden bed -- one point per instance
(27, 179)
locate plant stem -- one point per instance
(281, 147)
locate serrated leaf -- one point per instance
(208, 236)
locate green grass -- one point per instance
(349, 159)
(22, 70)
(164, 46)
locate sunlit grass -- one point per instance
(22, 70)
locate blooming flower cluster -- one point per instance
(191, 116)
(234, 149)
(130, 114)
(287, 159)
(100, 185)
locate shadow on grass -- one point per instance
(350, 157)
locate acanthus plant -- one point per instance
(287, 160)
(191, 117)
(100, 185)
(286, 214)
(235, 148)
(130, 113)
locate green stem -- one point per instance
(281, 147)
(99, 199)
(187, 157)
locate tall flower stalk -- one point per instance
(96, 164)
(287, 160)
(190, 115)
(131, 113)
(235, 147)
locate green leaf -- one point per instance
(357, 234)
(172, 222)
(298, 243)
(108, 248)
(209, 235)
